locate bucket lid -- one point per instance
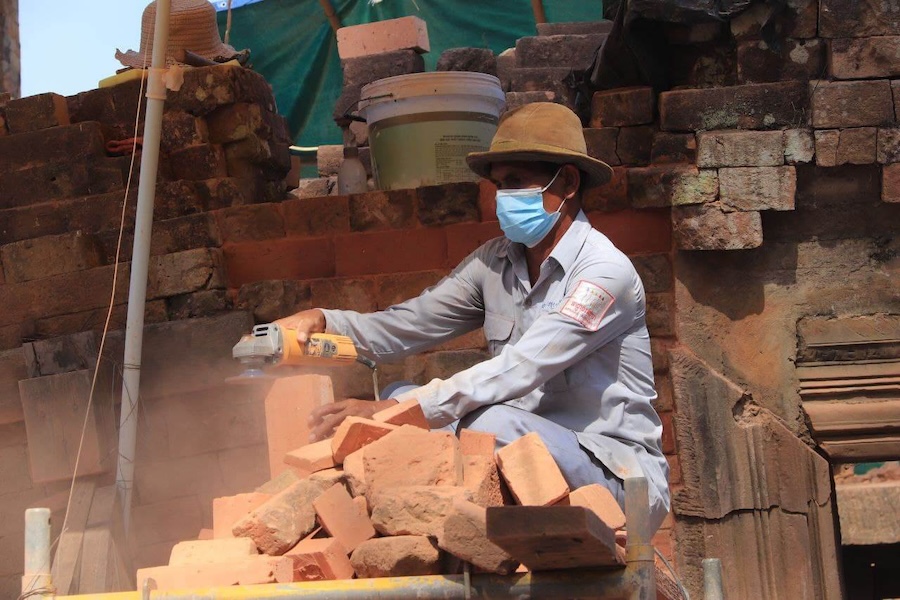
(439, 83)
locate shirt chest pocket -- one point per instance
(497, 331)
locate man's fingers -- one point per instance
(326, 427)
(321, 412)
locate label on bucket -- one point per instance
(410, 151)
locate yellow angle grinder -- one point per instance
(270, 345)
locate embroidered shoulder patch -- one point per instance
(587, 304)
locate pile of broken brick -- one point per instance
(387, 497)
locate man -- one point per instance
(562, 311)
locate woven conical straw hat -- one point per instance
(192, 26)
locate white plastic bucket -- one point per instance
(421, 126)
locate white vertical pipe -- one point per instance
(36, 576)
(140, 261)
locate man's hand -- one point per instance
(306, 322)
(325, 419)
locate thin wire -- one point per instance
(674, 575)
(112, 300)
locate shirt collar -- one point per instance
(566, 250)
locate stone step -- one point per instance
(572, 51)
(577, 28)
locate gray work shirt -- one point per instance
(573, 348)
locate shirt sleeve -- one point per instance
(448, 309)
(602, 302)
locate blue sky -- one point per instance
(70, 45)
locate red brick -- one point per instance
(228, 510)
(354, 433)
(790, 59)
(847, 18)
(79, 142)
(89, 215)
(415, 509)
(751, 106)
(758, 188)
(288, 404)
(412, 456)
(355, 473)
(798, 21)
(289, 258)
(634, 231)
(612, 195)
(235, 122)
(668, 436)
(673, 147)
(447, 203)
(464, 238)
(663, 384)
(888, 145)
(837, 104)
(345, 293)
(280, 522)
(318, 559)
(635, 144)
(855, 146)
(623, 107)
(799, 146)
(38, 112)
(600, 501)
(731, 148)
(465, 536)
(530, 471)
(575, 51)
(675, 476)
(181, 130)
(655, 271)
(382, 210)
(383, 36)
(890, 183)
(185, 272)
(669, 185)
(203, 161)
(316, 216)
(342, 518)
(272, 300)
(251, 223)
(395, 288)
(85, 290)
(204, 552)
(390, 251)
(709, 228)
(255, 569)
(48, 256)
(310, 458)
(476, 443)
(404, 413)
(601, 143)
(399, 556)
(58, 181)
(481, 477)
(549, 80)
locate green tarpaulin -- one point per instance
(293, 46)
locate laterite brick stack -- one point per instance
(384, 497)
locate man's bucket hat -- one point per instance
(545, 132)
(192, 27)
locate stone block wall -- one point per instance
(759, 190)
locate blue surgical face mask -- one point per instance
(522, 216)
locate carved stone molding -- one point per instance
(754, 495)
(849, 375)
